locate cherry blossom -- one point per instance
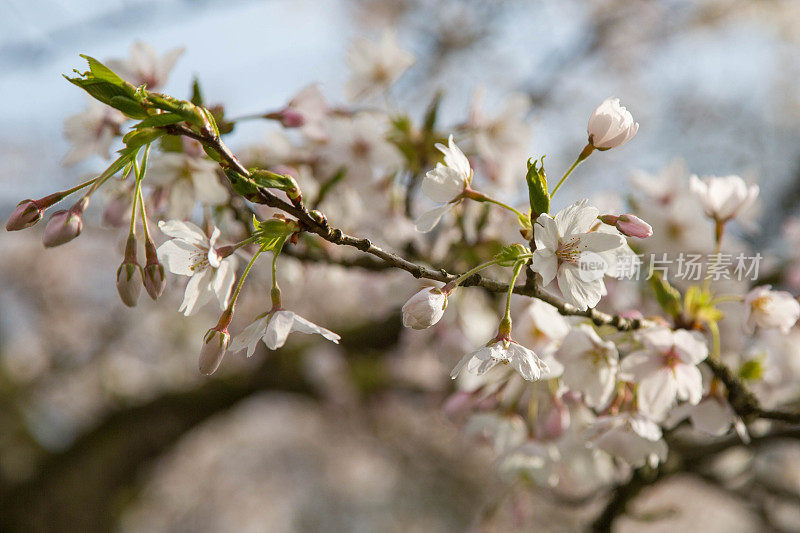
(445, 184)
(632, 437)
(273, 329)
(508, 352)
(666, 369)
(191, 253)
(144, 66)
(723, 198)
(590, 365)
(770, 309)
(611, 125)
(92, 132)
(425, 308)
(188, 179)
(565, 245)
(376, 66)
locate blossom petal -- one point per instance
(428, 220)
(306, 326)
(278, 329)
(249, 337)
(186, 231)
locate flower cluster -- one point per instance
(570, 392)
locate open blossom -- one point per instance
(611, 125)
(187, 179)
(375, 66)
(505, 432)
(723, 198)
(425, 308)
(590, 365)
(445, 184)
(191, 253)
(359, 145)
(566, 249)
(273, 329)
(143, 66)
(505, 351)
(541, 326)
(632, 437)
(666, 369)
(713, 415)
(770, 309)
(92, 132)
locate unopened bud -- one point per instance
(154, 278)
(24, 216)
(288, 118)
(425, 308)
(215, 343)
(129, 276)
(629, 225)
(64, 226)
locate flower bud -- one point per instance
(24, 216)
(129, 276)
(629, 225)
(215, 343)
(64, 226)
(154, 277)
(424, 309)
(611, 125)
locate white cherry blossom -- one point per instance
(529, 365)
(611, 125)
(505, 432)
(445, 184)
(632, 437)
(359, 145)
(188, 179)
(666, 369)
(92, 132)
(723, 198)
(770, 309)
(565, 248)
(273, 329)
(541, 326)
(192, 253)
(713, 416)
(425, 308)
(375, 66)
(590, 365)
(144, 66)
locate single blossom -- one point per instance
(92, 132)
(770, 309)
(713, 416)
(192, 253)
(375, 66)
(611, 125)
(187, 178)
(541, 326)
(629, 225)
(144, 66)
(666, 369)
(505, 351)
(425, 308)
(307, 110)
(590, 365)
(445, 184)
(723, 198)
(273, 329)
(568, 250)
(505, 432)
(633, 438)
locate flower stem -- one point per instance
(456, 282)
(244, 275)
(587, 151)
(715, 340)
(480, 197)
(517, 269)
(275, 291)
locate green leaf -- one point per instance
(537, 188)
(752, 369)
(243, 185)
(273, 231)
(102, 72)
(668, 296)
(106, 86)
(140, 137)
(511, 254)
(197, 94)
(127, 155)
(272, 180)
(162, 119)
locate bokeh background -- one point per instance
(104, 421)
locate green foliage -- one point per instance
(537, 188)
(106, 86)
(272, 232)
(668, 296)
(511, 254)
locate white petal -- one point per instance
(249, 337)
(223, 282)
(656, 393)
(442, 184)
(545, 263)
(179, 257)
(306, 326)
(278, 329)
(582, 294)
(689, 383)
(575, 219)
(185, 231)
(428, 220)
(198, 293)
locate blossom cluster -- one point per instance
(567, 395)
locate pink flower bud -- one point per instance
(24, 216)
(633, 226)
(629, 225)
(289, 118)
(424, 309)
(64, 226)
(154, 279)
(215, 343)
